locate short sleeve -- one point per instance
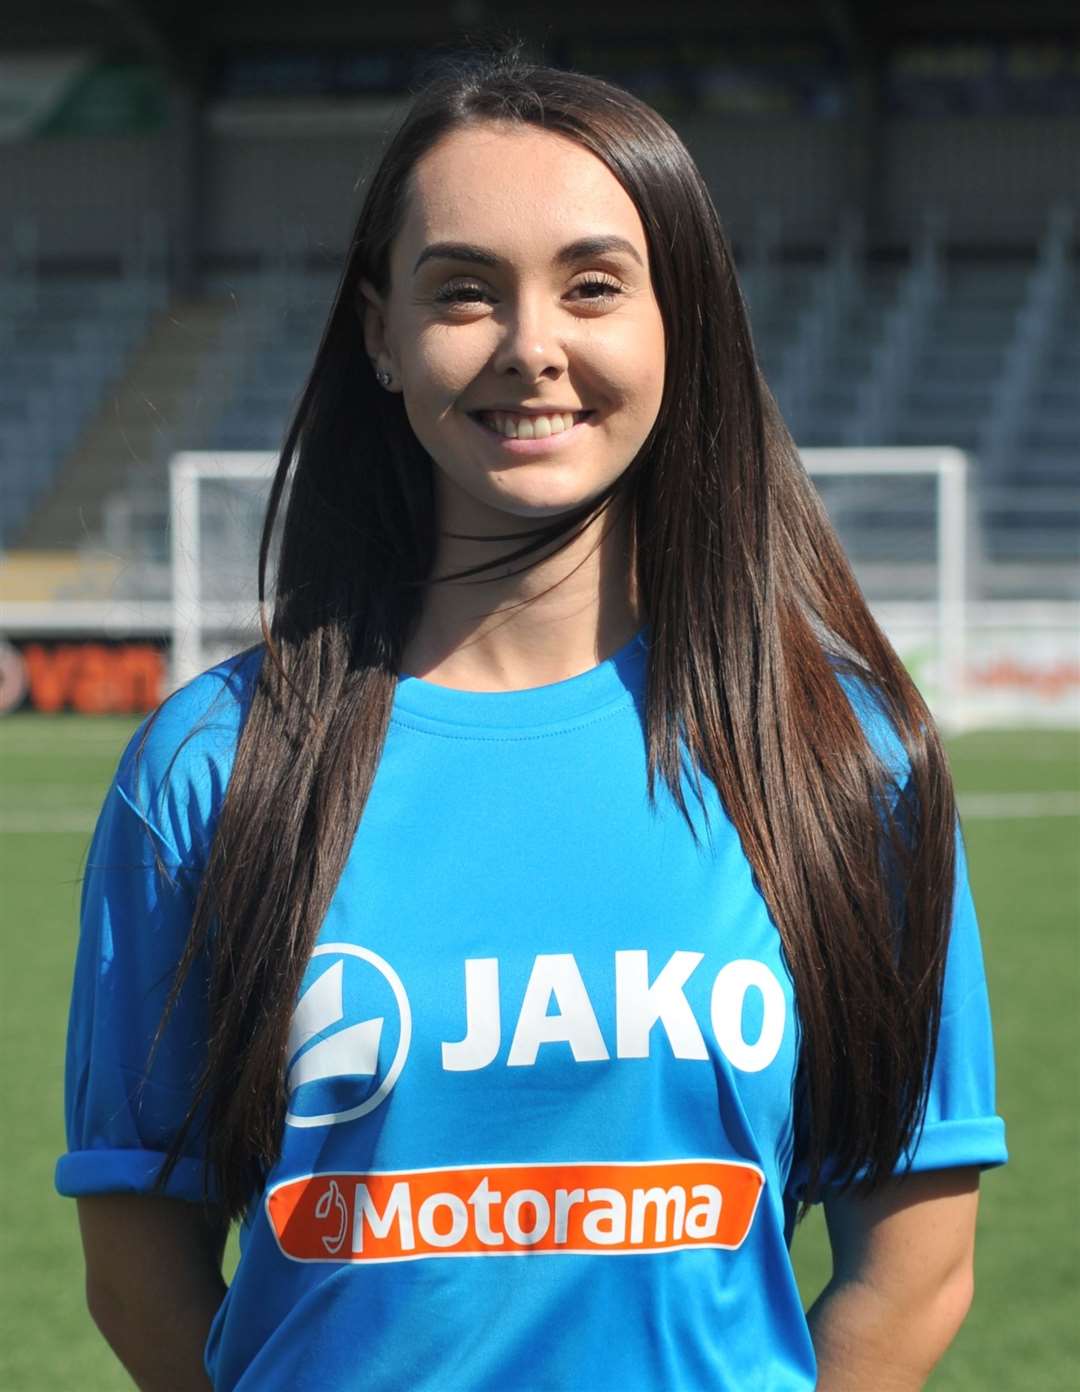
(123, 1109)
(134, 919)
(961, 1125)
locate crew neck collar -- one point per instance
(616, 681)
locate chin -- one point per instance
(529, 504)
(526, 493)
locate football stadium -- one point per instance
(901, 189)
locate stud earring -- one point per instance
(383, 378)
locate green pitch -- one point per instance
(1021, 795)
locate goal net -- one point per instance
(902, 515)
(216, 506)
(904, 518)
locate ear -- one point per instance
(371, 310)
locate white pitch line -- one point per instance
(974, 806)
(1000, 806)
(109, 741)
(42, 823)
(34, 794)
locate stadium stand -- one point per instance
(936, 349)
(63, 345)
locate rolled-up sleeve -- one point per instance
(961, 1125)
(123, 1110)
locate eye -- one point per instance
(607, 289)
(456, 291)
(468, 292)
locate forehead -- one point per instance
(526, 189)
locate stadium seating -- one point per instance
(61, 345)
(928, 350)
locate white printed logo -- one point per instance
(646, 1006)
(352, 1051)
(332, 1205)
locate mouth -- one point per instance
(539, 434)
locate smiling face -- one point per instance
(519, 286)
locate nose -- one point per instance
(531, 347)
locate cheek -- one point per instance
(445, 361)
(656, 357)
(631, 355)
(636, 373)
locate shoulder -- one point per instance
(871, 709)
(174, 769)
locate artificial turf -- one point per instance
(1025, 869)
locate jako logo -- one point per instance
(349, 1053)
(507, 1210)
(325, 1074)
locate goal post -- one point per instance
(216, 504)
(910, 553)
(947, 470)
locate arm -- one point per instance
(153, 1284)
(902, 1281)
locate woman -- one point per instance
(461, 982)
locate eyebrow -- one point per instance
(573, 251)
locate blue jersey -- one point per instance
(541, 1067)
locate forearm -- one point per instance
(866, 1339)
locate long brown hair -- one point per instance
(752, 609)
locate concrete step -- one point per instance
(135, 425)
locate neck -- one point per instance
(503, 632)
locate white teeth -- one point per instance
(527, 427)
